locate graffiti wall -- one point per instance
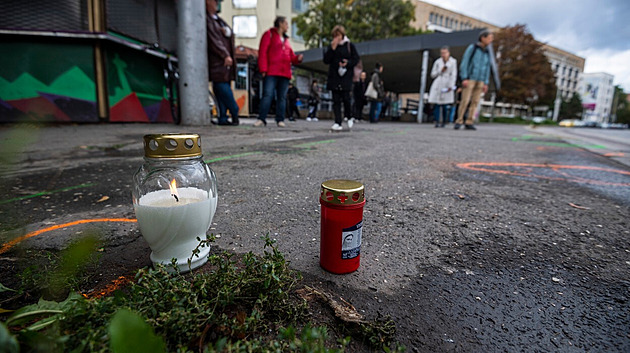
(136, 87)
(47, 82)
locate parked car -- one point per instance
(571, 123)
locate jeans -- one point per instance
(274, 86)
(375, 110)
(340, 96)
(446, 113)
(225, 100)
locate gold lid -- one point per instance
(342, 192)
(172, 145)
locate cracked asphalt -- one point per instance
(508, 238)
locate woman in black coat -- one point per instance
(341, 57)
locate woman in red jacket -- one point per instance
(275, 57)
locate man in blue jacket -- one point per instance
(474, 71)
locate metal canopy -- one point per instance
(402, 57)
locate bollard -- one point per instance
(341, 225)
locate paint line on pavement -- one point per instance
(2, 202)
(557, 144)
(311, 144)
(7, 246)
(232, 156)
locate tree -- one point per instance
(571, 109)
(622, 109)
(526, 74)
(363, 20)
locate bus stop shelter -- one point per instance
(406, 60)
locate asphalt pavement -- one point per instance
(508, 238)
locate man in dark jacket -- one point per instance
(341, 56)
(292, 96)
(221, 65)
(358, 91)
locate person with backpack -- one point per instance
(341, 56)
(475, 75)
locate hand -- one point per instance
(444, 68)
(300, 57)
(263, 74)
(485, 89)
(465, 83)
(228, 61)
(335, 42)
(343, 63)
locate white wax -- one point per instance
(171, 228)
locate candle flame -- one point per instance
(173, 187)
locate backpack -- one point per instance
(459, 80)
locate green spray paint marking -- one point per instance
(2, 202)
(556, 144)
(311, 144)
(232, 156)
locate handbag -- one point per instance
(370, 92)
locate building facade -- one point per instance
(597, 92)
(568, 67)
(251, 18)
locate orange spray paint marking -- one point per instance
(109, 289)
(614, 154)
(6, 247)
(558, 168)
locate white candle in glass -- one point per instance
(172, 225)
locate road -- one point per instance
(508, 238)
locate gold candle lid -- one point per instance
(172, 145)
(342, 192)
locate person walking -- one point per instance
(441, 93)
(221, 66)
(475, 74)
(292, 98)
(313, 102)
(341, 56)
(358, 91)
(377, 83)
(275, 57)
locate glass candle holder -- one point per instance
(175, 198)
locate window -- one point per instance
(241, 76)
(432, 17)
(244, 4)
(294, 35)
(299, 6)
(245, 26)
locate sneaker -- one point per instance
(336, 127)
(260, 123)
(281, 124)
(308, 118)
(315, 119)
(350, 123)
(235, 121)
(470, 127)
(345, 119)
(457, 126)
(292, 119)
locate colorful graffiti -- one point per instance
(55, 82)
(47, 82)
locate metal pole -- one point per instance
(423, 84)
(493, 98)
(193, 62)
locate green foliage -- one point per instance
(526, 74)
(236, 304)
(8, 342)
(622, 106)
(363, 19)
(571, 109)
(129, 333)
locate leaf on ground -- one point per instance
(8, 342)
(5, 289)
(104, 198)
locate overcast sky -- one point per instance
(598, 31)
